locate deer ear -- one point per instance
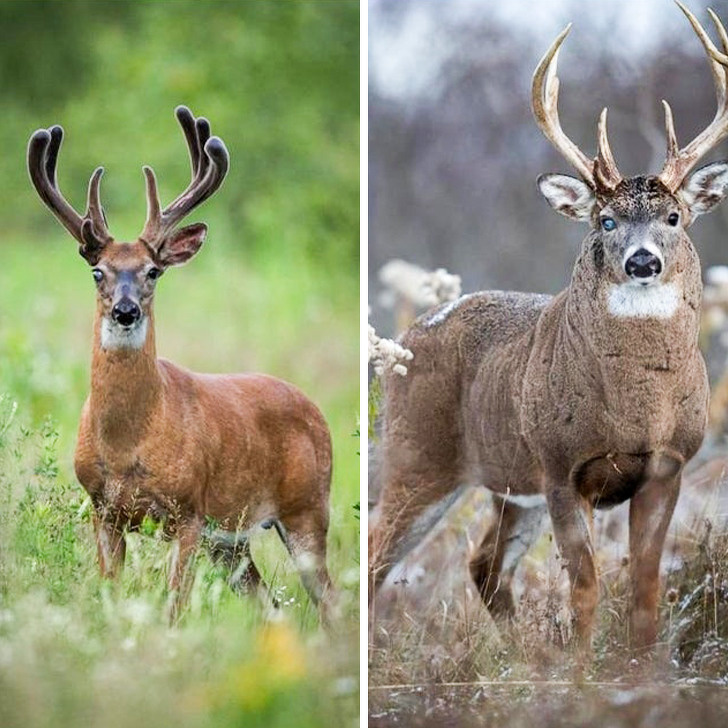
(182, 244)
(705, 188)
(568, 195)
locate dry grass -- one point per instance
(452, 666)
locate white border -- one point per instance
(363, 366)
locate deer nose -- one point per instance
(126, 312)
(643, 264)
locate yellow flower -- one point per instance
(278, 664)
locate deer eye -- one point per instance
(673, 219)
(608, 224)
(154, 273)
(98, 275)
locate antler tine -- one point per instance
(153, 208)
(722, 34)
(203, 134)
(43, 149)
(209, 161)
(94, 211)
(544, 100)
(42, 155)
(215, 166)
(52, 150)
(680, 161)
(672, 146)
(188, 123)
(606, 174)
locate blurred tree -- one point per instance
(41, 37)
(279, 81)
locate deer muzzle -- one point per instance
(126, 312)
(644, 264)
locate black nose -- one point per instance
(643, 264)
(126, 312)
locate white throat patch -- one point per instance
(633, 300)
(114, 336)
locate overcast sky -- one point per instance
(407, 47)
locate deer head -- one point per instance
(126, 273)
(640, 222)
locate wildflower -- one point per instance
(275, 665)
(417, 286)
(441, 287)
(387, 354)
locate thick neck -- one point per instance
(126, 388)
(665, 338)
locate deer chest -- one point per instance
(130, 494)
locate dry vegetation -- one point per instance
(452, 663)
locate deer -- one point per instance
(560, 405)
(209, 457)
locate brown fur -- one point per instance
(157, 440)
(527, 394)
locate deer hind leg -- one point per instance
(110, 544)
(232, 550)
(305, 538)
(650, 512)
(571, 517)
(514, 530)
(408, 507)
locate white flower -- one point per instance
(387, 354)
(442, 287)
(717, 275)
(421, 288)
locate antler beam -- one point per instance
(599, 173)
(680, 161)
(90, 229)
(209, 161)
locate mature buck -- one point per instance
(156, 440)
(573, 402)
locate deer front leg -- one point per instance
(110, 544)
(650, 512)
(571, 519)
(189, 534)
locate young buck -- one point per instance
(157, 440)
(568, 403)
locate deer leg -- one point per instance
(305, 538)
(513, 532)
(110, 544)
(180, 579)
(650, 511)
(243, 575)
(406, 511)
(571, 518)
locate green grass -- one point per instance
(75, 650)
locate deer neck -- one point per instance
(126, 388)
(661, 329)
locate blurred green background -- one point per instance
(274, 289)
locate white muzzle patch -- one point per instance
(115, 336)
